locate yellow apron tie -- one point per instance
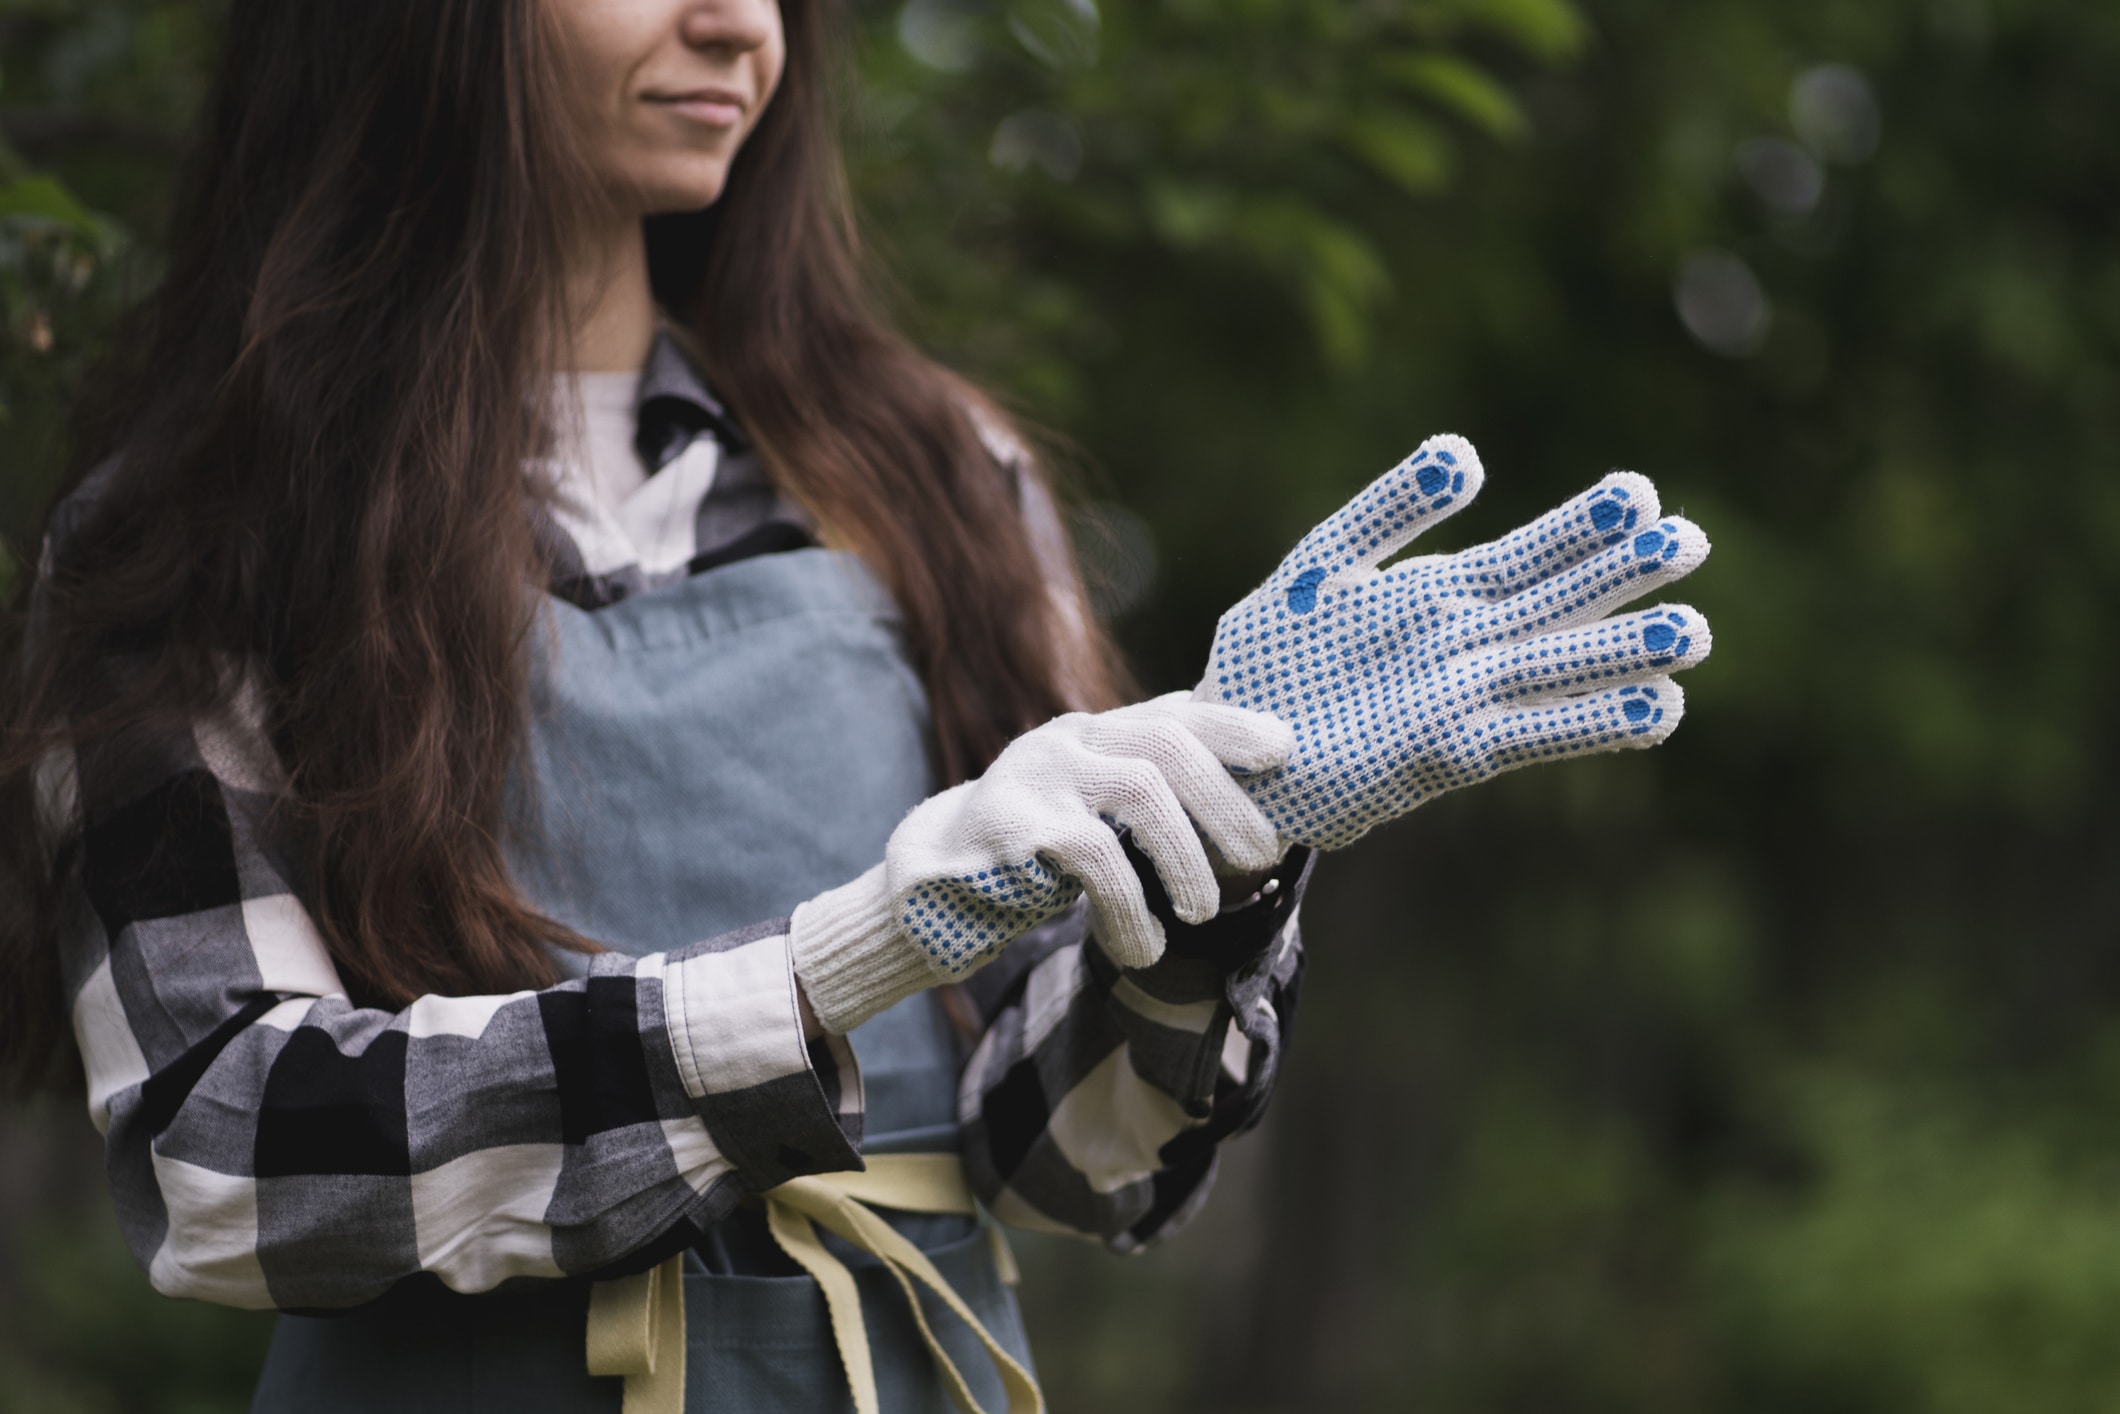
(637, 1329)
(631, 1318)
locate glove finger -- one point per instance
(1136, 795)
(1601, 517)
(1626, 718)
(1218, 807)
(1669, 550)
(1630, 648)
(1089, 852)
(1438, 480)
(1241, 739)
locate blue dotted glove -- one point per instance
(1443, 670)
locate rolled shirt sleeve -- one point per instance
(1097, 1099)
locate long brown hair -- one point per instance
(312, 440)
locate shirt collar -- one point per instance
(675, 407)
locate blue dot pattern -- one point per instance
(960, 921)
(1441, 670)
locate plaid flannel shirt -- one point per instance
(272, 1143)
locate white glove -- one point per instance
(978, 865)
(1441, 670)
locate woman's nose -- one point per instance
(737, 25)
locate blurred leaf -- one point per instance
(1460, 87)
(1553, 30)
(45, 197)
(1188, 214)
(1339, 272)
(1409, 150)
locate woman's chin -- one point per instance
(674, 194)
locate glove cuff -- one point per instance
(852, 955)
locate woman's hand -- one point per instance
(973, 868)
(980, 864)
(1442, 670)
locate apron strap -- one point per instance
(637, 1329)
(629, 1319)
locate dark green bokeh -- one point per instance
(1776, 1069)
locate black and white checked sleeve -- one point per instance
(272, 1144)
(1097, 1099)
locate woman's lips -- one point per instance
(713, 108)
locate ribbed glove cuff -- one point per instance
(853, 956)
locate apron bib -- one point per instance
(706, 756)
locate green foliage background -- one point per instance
(1778, 1069)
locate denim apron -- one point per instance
(707, 755)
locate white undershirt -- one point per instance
(617, 513)
(604, 403)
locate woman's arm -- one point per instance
(272, 1144)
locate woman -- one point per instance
(478, 766)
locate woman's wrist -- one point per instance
(852, 955)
